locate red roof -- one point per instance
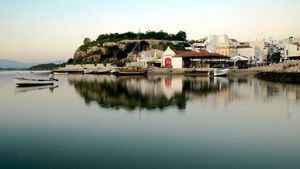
(198, 54)
(297, 43)
(244, 46)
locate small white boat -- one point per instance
(26, 82)
(60, 73)
(220, 72)
(87, 71)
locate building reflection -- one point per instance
(154, 92)
(252, 88)
(161, 92)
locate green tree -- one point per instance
(275, 57)
(181, 36)
(86, 41)
(70, 61)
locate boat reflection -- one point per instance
(154, 92)
(33, 88)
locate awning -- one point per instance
(239, 58)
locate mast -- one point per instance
(139, 45)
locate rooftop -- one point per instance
(198, 54)
(243, 46)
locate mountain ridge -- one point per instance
(14, 64)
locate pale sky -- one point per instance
(46, 30)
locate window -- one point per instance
(287, 52)
(298, 48)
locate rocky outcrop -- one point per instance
(285, 67)
(79, 54)
(93, 52)
(109, 44)
(93, 49)
(287, 72)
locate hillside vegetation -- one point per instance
(48, 66)
(116, 48)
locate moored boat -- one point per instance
(26, 82)
(220, 72)
(87, 71)
(60, 73)
(129, 71)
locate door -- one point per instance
(168, 63)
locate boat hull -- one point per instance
(124, 72)
(60, 73)
(221, 73)
(22, 82)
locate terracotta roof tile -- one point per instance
(198, 54)
(244, 46)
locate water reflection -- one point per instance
(251, 88)
(29, 89)
(154, 92)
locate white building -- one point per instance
(149, 56)
(214, 42)
(191, 59)
(220, 44)
(292, 51)
(252, 54)
(262, 48)
(290, 48)
(170, 61)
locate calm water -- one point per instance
(179, 122)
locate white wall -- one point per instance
(261, 49)
(291, 50)
(216, 40)
(247, 52)
(177, 62)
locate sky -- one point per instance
(47, 30)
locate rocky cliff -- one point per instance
(124, 47)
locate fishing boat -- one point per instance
(131, 71)
(26, 82)
(220, 72)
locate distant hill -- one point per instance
(12, 64)
(117, 48)
(48, 66)
(9, 64)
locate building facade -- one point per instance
(170, 61)
(290, 48)
(252, 54)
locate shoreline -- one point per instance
(284, 77)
